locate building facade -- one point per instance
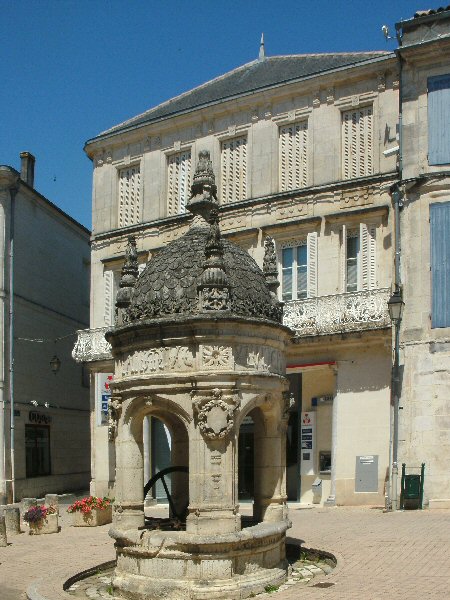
(44, 266)
(305, 151)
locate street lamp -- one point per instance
(395, 307)
(55, 364)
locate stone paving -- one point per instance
(380, 556)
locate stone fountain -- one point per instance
(199, 344)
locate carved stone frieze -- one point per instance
(258, 358)
(216, 357)
(155, 360)
(292, 208)
(215, 413)
(361, 197)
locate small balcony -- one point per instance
(91, 345)
(341, 313)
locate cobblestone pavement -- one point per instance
(380, 556)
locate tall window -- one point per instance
(293, 148)
(37, 450)
(358, 261)
(357, 142)
(129, 196)
(178, 182)
(440, 264)
(233, 170)
(352, 259)
(299, 269)
(439, 120)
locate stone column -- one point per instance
(179, 458)
(129, 507)
(270, 461)
(212, 463)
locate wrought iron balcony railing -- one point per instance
(91, 345)
(341, 313)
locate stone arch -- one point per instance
(268, 455)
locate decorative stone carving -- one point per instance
(270, 268)
(292, 208)
(141, 362)
(215, 413)
(355, 311)
(257, 358)
(359, 197)
(114, 411)
(130, 271)
(91, 345)
(214, 357)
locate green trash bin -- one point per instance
(412, 487)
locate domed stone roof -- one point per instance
(169, 283)
(199, 273)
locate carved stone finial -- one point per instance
(270, 268)
(127, 280)
(203, 190)
(214, 289)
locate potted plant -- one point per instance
(41, 519)
(91, 511)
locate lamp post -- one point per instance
(395, 307)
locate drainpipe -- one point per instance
(396, 194)
(11, 345)
(8, 187)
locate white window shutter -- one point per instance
(233, 170)
(141, 267)
(312, 264)
(364, 272)
(344, 257)
(357, 143)
(372, 258)
(129, 196)
(293, 153)
(178, 182)
(108, 295)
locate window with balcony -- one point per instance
(178, 182)
(233, 170)
(358, 260)
(357, 142)
(293, 156)
(299, 269)
(439, 120)
(440, 264)
(129, 195)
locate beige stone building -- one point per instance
(310, 151)
(44, 300)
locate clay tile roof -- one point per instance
(431, 11)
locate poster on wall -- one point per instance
(102, 397)
(308, 443)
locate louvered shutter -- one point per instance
(312, 264)
(372, 257)
(233, 170)
(141, 267)
(129, 196)
(108, 295)
(344, 258)
(357, 142)
(363, 283)
(178, 182)
(439, 120)
(293, 152)
(440, 264)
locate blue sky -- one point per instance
(71, 69)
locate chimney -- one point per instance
(27, 168)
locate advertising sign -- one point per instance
(102, 397)
(308, 443)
